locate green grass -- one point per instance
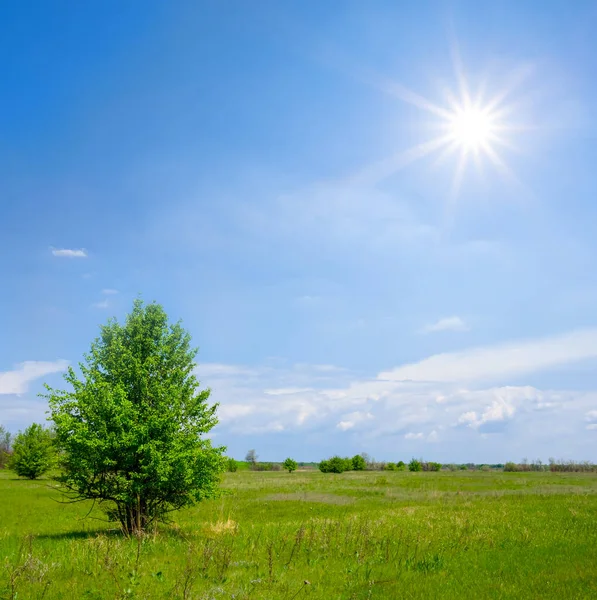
(356, 535)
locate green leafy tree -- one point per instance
(401, 466)
(391, 466)
(231, 465)
(4, 447)
(415, 465)
(131, 427)
(336, 464)
(290, 465)
(358, 463)
(33, 452)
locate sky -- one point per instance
(376, 219)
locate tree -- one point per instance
(4, 447)
(358, 463)
(251, 458)
(290, 465)
(130, 428)
(336, 464)
(33, 452)
(231, 465)
(400, 466)
(415, 465)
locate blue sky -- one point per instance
(261, 170)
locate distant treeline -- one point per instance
(555, 466)
(362, 462)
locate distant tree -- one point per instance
(358, 463)
(336, 464)
(434, 466)
(231, 465)
(251, 458)
(401, 466)
(33, 452)
(4, 447)
(131, 427)
(415, 465)
(391, 466)
(290, 465)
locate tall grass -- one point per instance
(311, 535)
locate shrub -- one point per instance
(290, 465)
(33, 452)
(401, 466)
(511, 467)
(231, 465)
(391, 466)
(434, 466)
(4, 447)
(415, 465)
(358, 463)
(463, 468)
(336, 464)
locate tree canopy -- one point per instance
(132, 427)
(33, 452)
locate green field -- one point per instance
(313, 535)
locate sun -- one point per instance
(472, 129)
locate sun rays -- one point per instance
(471, 129)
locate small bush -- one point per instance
(391, 466)
(33, 452)
(336, 464)
(415, 465)
(231, 465)
(358, 463)
(290, 465)
(401, 466)
(511, 467)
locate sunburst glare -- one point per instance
(468, 127)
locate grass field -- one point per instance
(313, 535)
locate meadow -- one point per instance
(280, 536)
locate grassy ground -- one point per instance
(309, 535)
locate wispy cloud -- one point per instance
(102, 304)
(445, 324)
(500, 361)
(17, 381)
(109, 292)
(69, 252)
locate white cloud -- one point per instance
(446, 324)
(414, 436)
(102, 304)
(109, 292)
(17, 381)
(286, 391)
(69, 252)
(501, 361)
(353, 419)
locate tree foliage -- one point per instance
(290, 465)
(358, 463)
(33, 452)
(415, 465)
(130, 428)
(336, 464)
(4, 447)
